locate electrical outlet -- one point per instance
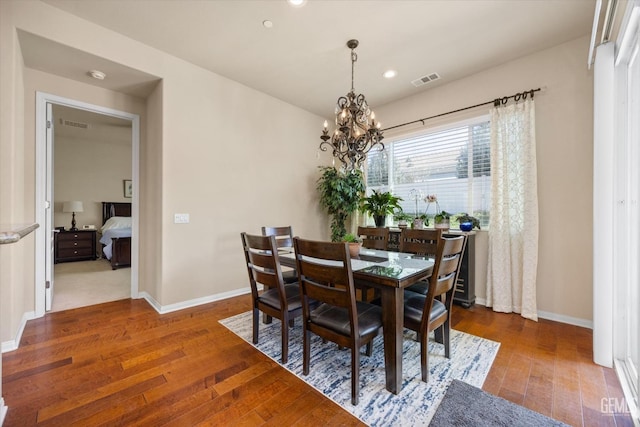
(181, 218)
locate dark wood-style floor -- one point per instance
(121, 363)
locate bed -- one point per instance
(116, 233)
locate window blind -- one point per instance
(452, 163)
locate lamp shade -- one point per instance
(74, 206)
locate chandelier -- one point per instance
(357, 131)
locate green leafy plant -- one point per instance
(340, 194)
(401, 215)
(464, 217)
(351, 238)
(379, 205)
(441, 216)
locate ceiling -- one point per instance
(303, 59)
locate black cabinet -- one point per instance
(465, 293)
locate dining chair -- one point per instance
(423, 242)
(284, 240)
(278, 299)
(426, 313)
(325, 273)
(374, 237)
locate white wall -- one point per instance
(233, 158)
(236, 159)
(90, 169)
(564, 133)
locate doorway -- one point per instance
(48, 206)
(91, 160)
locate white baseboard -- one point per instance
(3, 411)
(565, 319)
(192, 303)
(13, 344)
(553, 316)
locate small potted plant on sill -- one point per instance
(355, 243)
(421, 221)
(468, 222)
(442, 220)
(402, 218)
(379, 205)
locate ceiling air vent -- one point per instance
(426, 79)
(73, 124)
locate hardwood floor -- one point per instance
(121, 363)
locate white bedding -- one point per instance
(109, 234)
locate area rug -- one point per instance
(466, 405)
(330, 371)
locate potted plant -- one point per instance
(340, 193)
(468, 222)
(441, 220)
(379, 205)
(402, 218)
(355, 243)
(421, 221)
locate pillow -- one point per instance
(117, 222)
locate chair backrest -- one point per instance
(325, 273)
(263, 266)
(284, 235)
(445, 272)
(422, 241)
(374, 237)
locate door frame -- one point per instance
(44, 174)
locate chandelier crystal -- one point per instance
(357, 130)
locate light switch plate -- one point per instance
(181, 218)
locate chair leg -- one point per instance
(438, 335)
(447, 339)
(424, 357)
(305, 352)
(256, 315)
(292, 322)
(285, 339)
(266, 319)
(369, 350)
(355, 374)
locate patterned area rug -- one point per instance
(471, 359)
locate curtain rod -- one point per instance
(496, 102)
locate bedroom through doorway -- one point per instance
(92, 163)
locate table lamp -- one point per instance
(73, 207)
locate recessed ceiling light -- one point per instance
(389, 74)
(267, 24)
(96, 74)
(297, 3)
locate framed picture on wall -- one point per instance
(128, 188)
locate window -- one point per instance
(452, 162)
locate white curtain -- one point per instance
(513, 234)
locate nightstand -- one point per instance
(77, 245)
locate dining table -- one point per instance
(389, 272)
